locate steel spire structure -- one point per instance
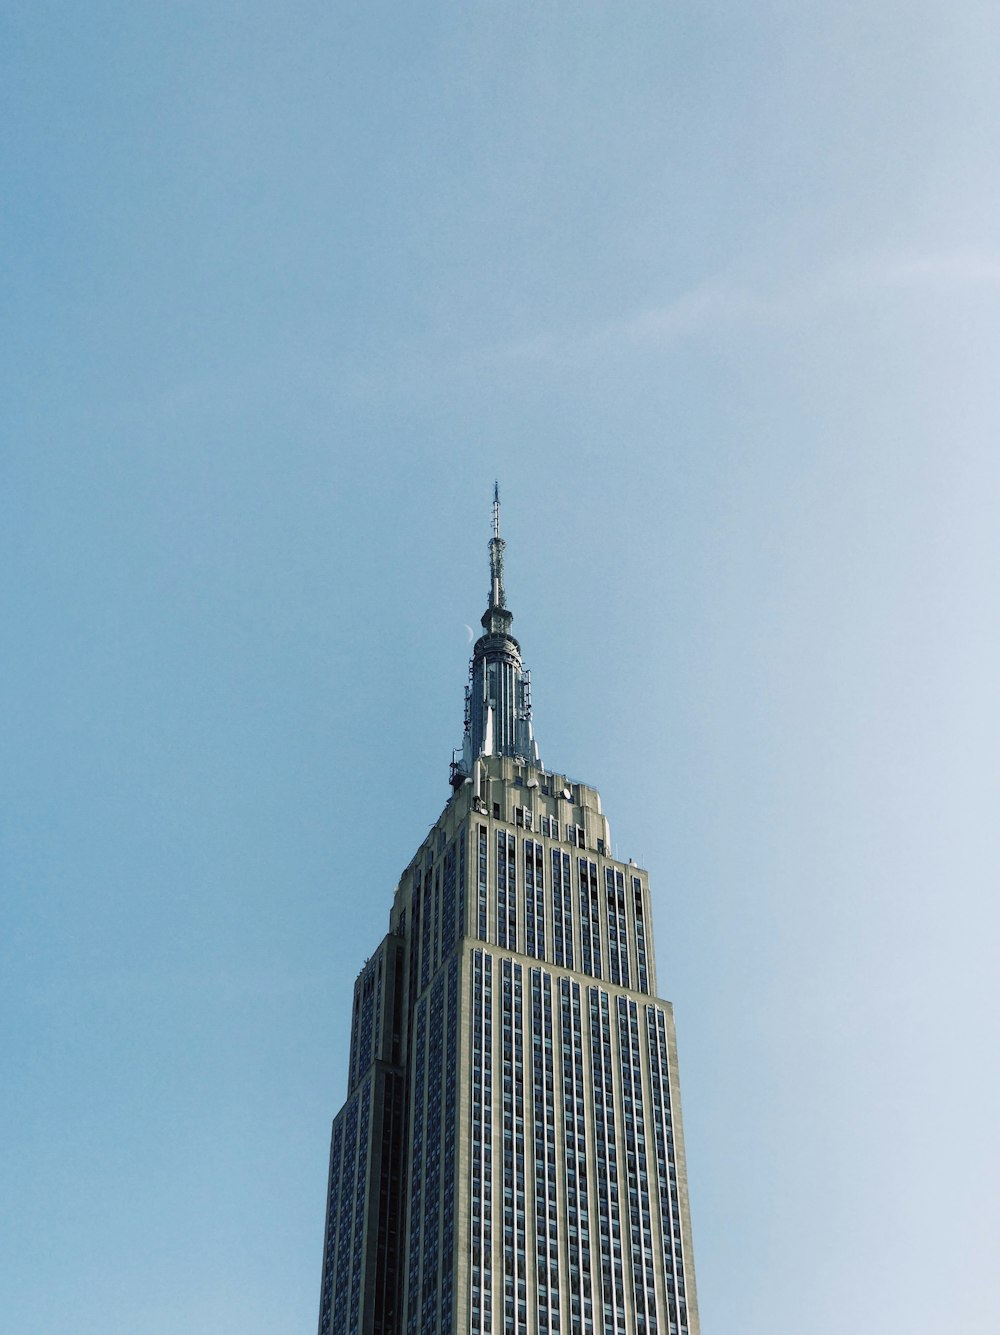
(498, 697)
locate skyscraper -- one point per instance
(509, 1159)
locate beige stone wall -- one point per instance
(439, 924)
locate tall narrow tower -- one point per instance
(510, 1159)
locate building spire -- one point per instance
(498, 697)
(497, 596)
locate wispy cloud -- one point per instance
(715, 307)
(954, 268)
(714, 304)
(722, 303)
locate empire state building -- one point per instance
(510, 1159)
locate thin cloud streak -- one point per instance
(719, 304)
(958, 268)
(715, 307)
(711, 305)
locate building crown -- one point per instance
(498, 697)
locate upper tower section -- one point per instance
(498, 697)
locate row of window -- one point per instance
(549, 827)
(624, 1202)
(418, 1068)
(666, 1166)
(605, 1136)
(450, 1120)
(512, 1056)
(574, 1134)
(429, 1289)
(359, 1208)
(437, 909)
(434, 1103)
(546, 1206)
(637, 1174)
(363, 1024)
(527, 915)
(547, 930)
(345, 1228)
(330, 1241)
(481, 1214)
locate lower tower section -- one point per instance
(510, 1158)
(366, 1192)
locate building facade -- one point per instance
(510, 1159)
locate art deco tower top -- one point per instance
(498, 697)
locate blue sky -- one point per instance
(714, 290)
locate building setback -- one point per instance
(510, 1158)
